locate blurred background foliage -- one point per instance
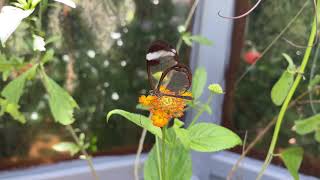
(104, 42)
(253, 106)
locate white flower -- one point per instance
(38, 43)
(67, 2)
(10, 19)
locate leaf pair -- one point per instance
(188, 39)
(71, 147)
(61, 103)
(12, 93)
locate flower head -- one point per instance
(164, 108)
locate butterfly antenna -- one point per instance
(242, 15)
(317, 36)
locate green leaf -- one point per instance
(5, 66)
(13, 91)
(48, 56)
(138, 119)
(186, 39)
(61, 103)
(317, 135)
(181, 133)
(70, 147)
(314, 82)
(184, 137)
(35, 3)
(208, 137)
(178, 123)
(307, 125)
(12, 109)
(22, 2)
(53, 39)
(292, 158)
(199, 82)
(178, 162)
(201, 40)
(282, 87)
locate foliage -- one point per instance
(178, 161)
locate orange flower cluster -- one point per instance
(164, 108)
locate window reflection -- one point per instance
(106, 41)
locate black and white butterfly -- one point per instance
(165, 70)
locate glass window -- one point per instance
(252, 108)
(100, 56)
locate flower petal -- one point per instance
(67, 2)
(10, 19)
(38, 43)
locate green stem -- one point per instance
(313, 69)
(158, 158)
(201, 111)
(83, 151)
(163, 150)
(171, 153)
(289, 97)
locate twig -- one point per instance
(139, 151)
(188, 21)
(83, 151)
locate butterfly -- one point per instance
(165, 72)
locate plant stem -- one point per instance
(187, 22)
(163, 149)
(83, 151)
(201, 111)
(288, 98)
(139, 151)
(158, 158)
(313, 69)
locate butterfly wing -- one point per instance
(161, 56)
(175, 81)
